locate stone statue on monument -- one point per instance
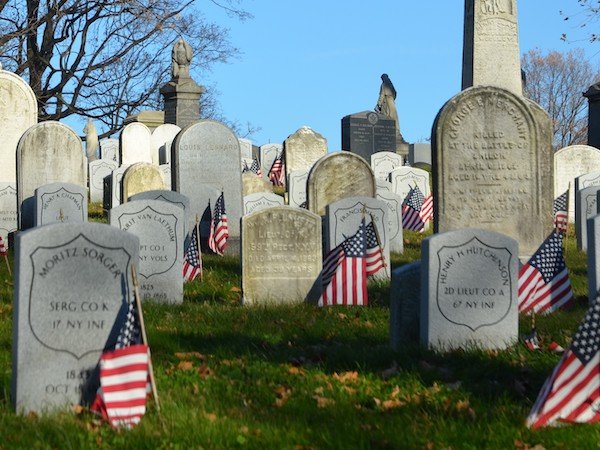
(91, 140)
(386, 105)
(181, 58)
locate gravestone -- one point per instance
(405, 305)
(135, 144)
(394, 203)
(261, 200)
(253, 184)
(97, 171)
(268, 154)
(585, 208)
(367, 133)
(245, 148)
(8, 209)
(62, 322)
(48, 152)
(160, 143)
(109, 149)
(296, 186)
(469, 290)
(593, 258)
(419, 153)
(587, 180)
(343, 218)
(281, 256)
(569, 163)
(593, 128)
(383, 163)
(206, 158)
(405, 178)
(115, 193)
(172, 197)
(302, 149)
(60, 202)
(383, 186)
(159, 227)
(337, 176)
(141, 177)
(18, 112)
(166, 170)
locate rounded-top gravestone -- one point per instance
(302, 149)
(160, 142)
(141, 177)
(135, 144)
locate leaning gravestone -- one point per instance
(405, 178)
(261, 200)
(337, 176)
(469, 290)
(367, 133)
(569, 163)
(405, 300)
(8, 210)
(281, 256)
(206, 157)
(394, 203)
(141, 177)
(160, 143)
(63, 322)
(97, 171)
(109, 149)
(296, 186)
(60, 202)
(253, 184)
(383, 163)
(585, 208)
(268, 154)
(135, 144)
(343, 219)
(18, 112)
(302, 149)
(159, 226)
(48, 152)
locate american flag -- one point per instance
(3, 249)
(531, 341)
(277, 172)
(544, 284)
(375, 258)
(219, 231)
(192, 263)
(416, 210)
(344, 274)
(560, 211)
(254, 167)
(572, 392)
(121, 398)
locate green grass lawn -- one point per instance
(302, 377)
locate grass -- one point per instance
(301, 377)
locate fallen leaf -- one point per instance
(282, 393)
(185, 365)
(342, 316)
(395, 392)
(346, 377)
(210, 416)
(235, 289)
(349, 390)
(368, 324)
(295, 371)
(78, 409)
(204, 371)
(188, 355)
(391, 404)
(323, 402)
(195, 389)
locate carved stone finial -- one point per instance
(91, 140)
(181, 57)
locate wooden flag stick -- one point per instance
(199, 249)
(379, 242)
(138, 302)
(7, 263)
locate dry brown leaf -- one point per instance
(204, 371)
(235, 289)
(349, 390)
(346, 377)
(342, 316)
(195, 389)
(395, 393)
(293, 370)
(185, 365)
(323, 402)
(461, 405)
(77, 409)
(282, 393)
(319, 390)
(188, 355)
(210, 416)
(368, 324)
(391, 404)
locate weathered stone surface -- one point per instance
(62, 322)
(159, 227)
(8, 209)
(141, 177)
(587, 180)
(585, 208)
(593, 257)
(405, 178)
(109, 149)
(368, 132)
(115, 193)
(48, 152)
(405, 309)
(469, 290)
(245, 148)
(18, 112)
(419, 153)
(296, 187)
(337, 176)
(268, 154)
(383, 186)
(253, 184)
(172, 197)
(160, 143)
(206, 157)
(261, 200)
(60, 202)
(394, 203)
(570, 163)
(135, 144)
(302, 149)
(167, 175)
(491, 55)
(383, 163)
(97, 171)
(281, 256)
(493, 166)
(343, 219)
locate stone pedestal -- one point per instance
(182, 101)
(593, 96)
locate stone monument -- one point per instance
(593, 96)
(386, 105)
(368, 132)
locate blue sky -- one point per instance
(311, 62)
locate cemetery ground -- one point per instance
(300, 377)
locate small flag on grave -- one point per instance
(192, 263)
(375, 258)
(572, 392)
(3, 249)
(254, 167)
(277, 172)
(219, 230)
(416, 210)
(544, 284)
(560, 211)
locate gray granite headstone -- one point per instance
(159, 226)
(116, 188)
(469, 290)
(394, 203)
(8, 209)
(245, 148)
(281, 256)
(97, 171)
(135, 144)
(343, 218)
(368, 132)
(585, 207)
(206, 157)
(109, 149)
(72, 286)
(587, 180)
(261, 200)
(172, 197)
(383, 163)
(48, 152)
(405, 178)
(405, 309)
(419, 153)
(268, 154)
(297, 187)
(60, 202)
(593, 257)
